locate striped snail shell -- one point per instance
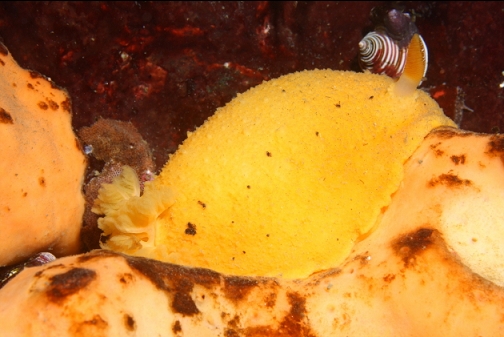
(381, 54)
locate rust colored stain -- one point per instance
(363, 259)
(450, 180)
(298, 309)
(5, 117)
(231, 333)
(458, 159)
(35, 75)
(64, 285)
(237, 288)
(234, 323)
(53, 105)
(66, 105)
(168, 276)
(43, 105)
(389, 278)
(409, 246)
(42, 181)
(270, 300)
(129, 322)
(95, 326)
(178, 281)
(292, 325)
(495, 147)
(191, 229)
(176, 328)
(496, 144)
(126, 278)
(437, 152)
(184, 304)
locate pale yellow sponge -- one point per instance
(287, 177)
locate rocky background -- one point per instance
(166, 67)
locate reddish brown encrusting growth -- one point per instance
(116, 143)
(495, 147)
(450, 180)
(176, 328)
(63, 285)
(458, 159)
(237, 288)
(5, 117)
(408, 246)
(129, 322)
(191, 229)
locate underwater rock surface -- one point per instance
(166, 67)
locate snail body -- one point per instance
(396, 49)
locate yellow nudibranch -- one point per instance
(282, 181)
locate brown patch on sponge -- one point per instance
(64, 285)
(294, 324)
(52, 104)
(129, 322)
(5, 117)
(169, 276)
(43, 105)
(495, 147)
(184, 304)
(237, 288)
(176, 280)
(176, 328)
(450, 180)
(410, 245)
(458, 159)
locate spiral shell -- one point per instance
(381, 54)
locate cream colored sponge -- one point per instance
(282, 181)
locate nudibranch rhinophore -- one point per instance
(395, 48)
(42, 166)
(282, 181)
